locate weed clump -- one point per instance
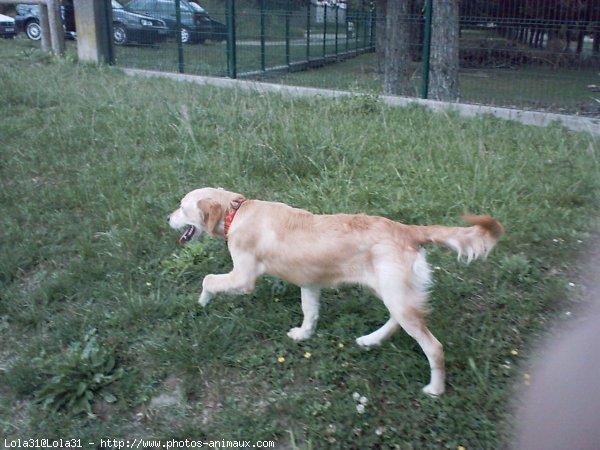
(79, 376)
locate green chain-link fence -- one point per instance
(255, 38)
(536, 54)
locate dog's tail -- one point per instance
(469, 242)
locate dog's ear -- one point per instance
(212, 214)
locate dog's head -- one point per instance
(200, 211)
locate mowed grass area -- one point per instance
(101, 334)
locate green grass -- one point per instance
(93, 161)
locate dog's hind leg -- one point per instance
(310, 309)
(411, 320)
(378, 336)
(241, 280)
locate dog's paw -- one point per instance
(299, 334)
(433, 391)
(205, 298)
(366, 342)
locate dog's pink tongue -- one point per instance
(185, 237)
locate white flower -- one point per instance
(360, 408)
(363, 400)
(356, 396)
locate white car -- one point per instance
(7, 27)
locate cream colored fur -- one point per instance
(316, 251)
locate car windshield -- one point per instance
(116, 5)
(197, 8)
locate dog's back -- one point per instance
(305, 248)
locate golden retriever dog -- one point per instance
(315, 251)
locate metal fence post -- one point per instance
(288, 13)
(324, 30)
(372, 21)
(366, 31)
(263, 49)
(308, 32)
(337, 24)
(180, 61)
(356, 23)
(231, 40)
(426, 50)
(108, 33)
(347, 31)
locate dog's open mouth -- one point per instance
(188, 235)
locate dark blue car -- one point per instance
(128, 26)
(195, 24)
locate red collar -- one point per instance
(231, 212)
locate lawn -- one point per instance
(101, 334)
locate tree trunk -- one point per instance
(443, 77)
(396, 73)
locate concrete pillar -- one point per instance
(93, 20)
(57, 34)
(45, 28)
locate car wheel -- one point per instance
(33, 30)
(186, 36)
(120, 34)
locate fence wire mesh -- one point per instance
(530, 54)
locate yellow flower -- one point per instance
(340, 345)
(514, 352)
(281, 360)
(308, 355)
(460, 447)
(148, 284)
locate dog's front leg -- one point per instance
(205, 295)
(234, 282)
(310, 309)
(241, 280)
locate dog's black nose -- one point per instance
(168, 219)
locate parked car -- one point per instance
(196, 24)
(27, 20)
(127, 26)
(7, 27)
(130, 26)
